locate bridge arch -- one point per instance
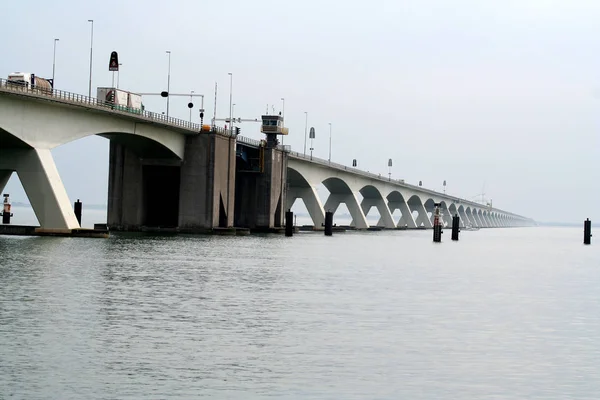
(417, 206)
(397, 201)
(340, 192)
(372, 197)
(300, 188)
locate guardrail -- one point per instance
(78, 99)
(399, 182)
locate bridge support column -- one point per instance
(125, 189)
(407, 218)
(358, 217)
(262, 195)
(207, 185)
(4, 177)
(42, 183)
(422, 218)
(386, 216)
(311, 202)
(464, 220)
(446, 217)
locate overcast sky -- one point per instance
(501, 95)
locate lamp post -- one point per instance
(305, 129)
(312, 137)
(168, 82)
(444, 186)
(330, 142)
(230, 102)
(118, 74)
(54, 62)
(91, 56)
(390, 169)
(191, 94)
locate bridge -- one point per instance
(170, 173)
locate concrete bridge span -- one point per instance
(361, 191)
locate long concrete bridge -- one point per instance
(169, 173)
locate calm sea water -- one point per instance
(501, 314)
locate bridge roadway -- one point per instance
(32, 122)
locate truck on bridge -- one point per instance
(28, 80)
(121, 99)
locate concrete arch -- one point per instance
(416, 204)
(396, 201)
(372, 197)
(446, 217)
(56, 124)
(340, 192)
(300, 188)
(471, 218)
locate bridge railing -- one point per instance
(78, 99)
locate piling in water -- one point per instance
(587, 231)
(455, 227)
(289, 223)
(328, 223)
(77, 208)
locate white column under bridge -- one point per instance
(362, 192)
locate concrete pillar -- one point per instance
(41, 181)
(386, 216)
(262, 195)
(311, 202)
(358, 217)
(446, 217)
(4, 177)
(207, 184)
(470, 218)
(125, 189)
(407, 218)
(480, 222)
(422, 218)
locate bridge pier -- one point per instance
(359, 221)
(207, 188)
(311, 202)
(4, 177)
(386, 216)
(193, 195)
(262, 195)
(407, 218)
(41, 181)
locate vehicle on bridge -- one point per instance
(121, 99)
(29, 81)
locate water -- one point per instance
(502, 314)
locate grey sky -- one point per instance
(505, 94)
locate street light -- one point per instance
(390, 169)
(91, 53)
(168, 81)
(54, 62)
(444, 186)
(305, 129)
(330, 142)
(190, 105)
(312, 137)
(230, 101)
(118, 74)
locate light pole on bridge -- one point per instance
(168, 81)
(91, 56)
(54, 62)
